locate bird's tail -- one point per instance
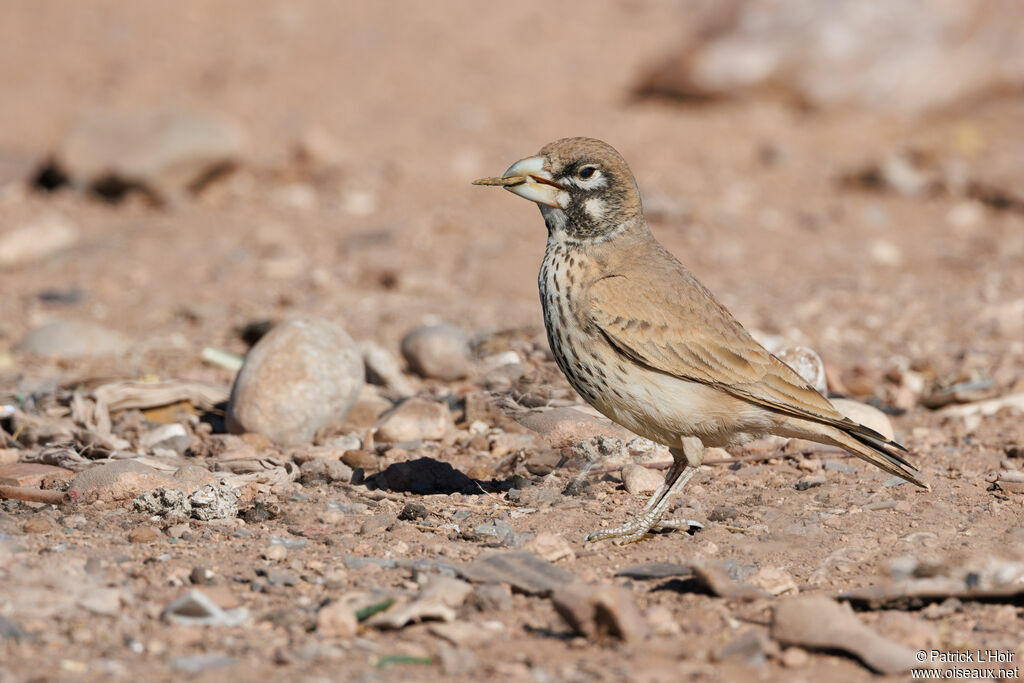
(869, 445)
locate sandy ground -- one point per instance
(418, 100)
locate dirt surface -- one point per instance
(773, 207)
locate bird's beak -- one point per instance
(528, 179)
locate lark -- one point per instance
(646, 344)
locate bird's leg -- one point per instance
(685, 462)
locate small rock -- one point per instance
(35, 239)
(368, 408)
(336, 620)
(201, 576)
(382, 369)
(377, 524)
(194, 476)
(10, 630)
(319, 470)
(835, 466)
(458, 661)
(523, 570)
(414, 420)
(196, 664)
(164, 502)
(195, 608)
(723, 513)
(29, 473)
(492, 597)
(214, 501)
(820, 623)
(274, 553)
(869, 416)
(794, 658)
(301, 377)
(655, 570)
(413, 511)
(595, 611)
(72, 339)
(550, 546)
(774, 581)
(38, 525)
(360, 460)
(171, 436)
(808, 365)
(750, 649)
(804, 483)
(437, 351)
(143, 534)
(639, 479)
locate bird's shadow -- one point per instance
(427, 475)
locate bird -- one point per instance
(645, 343)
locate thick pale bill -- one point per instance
(511, 180)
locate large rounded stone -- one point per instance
(869, 416)
(437, 351)
(302, 376)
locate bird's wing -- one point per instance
(675, 326)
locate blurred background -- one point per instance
(840, 171)
(177, 178)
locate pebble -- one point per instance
(143, 534)
(201, 576)
(195, 664)
(804, 483)
(794, 658)
(35, 238)
(437, 352)
(414, 420)
(594, 611)
(413, 511)
(774, 581)
(73, 339)
(550, 546)
(807, 363)
(491, 597)
(382, 369)
(818, 622)
(274, 553)
(195, 608)
(302, 376)
(38, 525)
(336, 620)
(523, 570)
(639, 479)
(357, 459)
(319, 470)
(171, 436)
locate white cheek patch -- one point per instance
(594, 208)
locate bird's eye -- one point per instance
(587, 172)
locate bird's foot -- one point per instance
(639, 528)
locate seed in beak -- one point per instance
(510, 180)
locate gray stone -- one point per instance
(320, 470)
(382, 369)
(805, 483)
(414, 420)
(214, 501)
(655, 570)
(194, 664)
(523, 570)
(172, 437)
(72, 339)
(437, 351)
(195, 608)
(301, 377)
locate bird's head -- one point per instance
(584, 188)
